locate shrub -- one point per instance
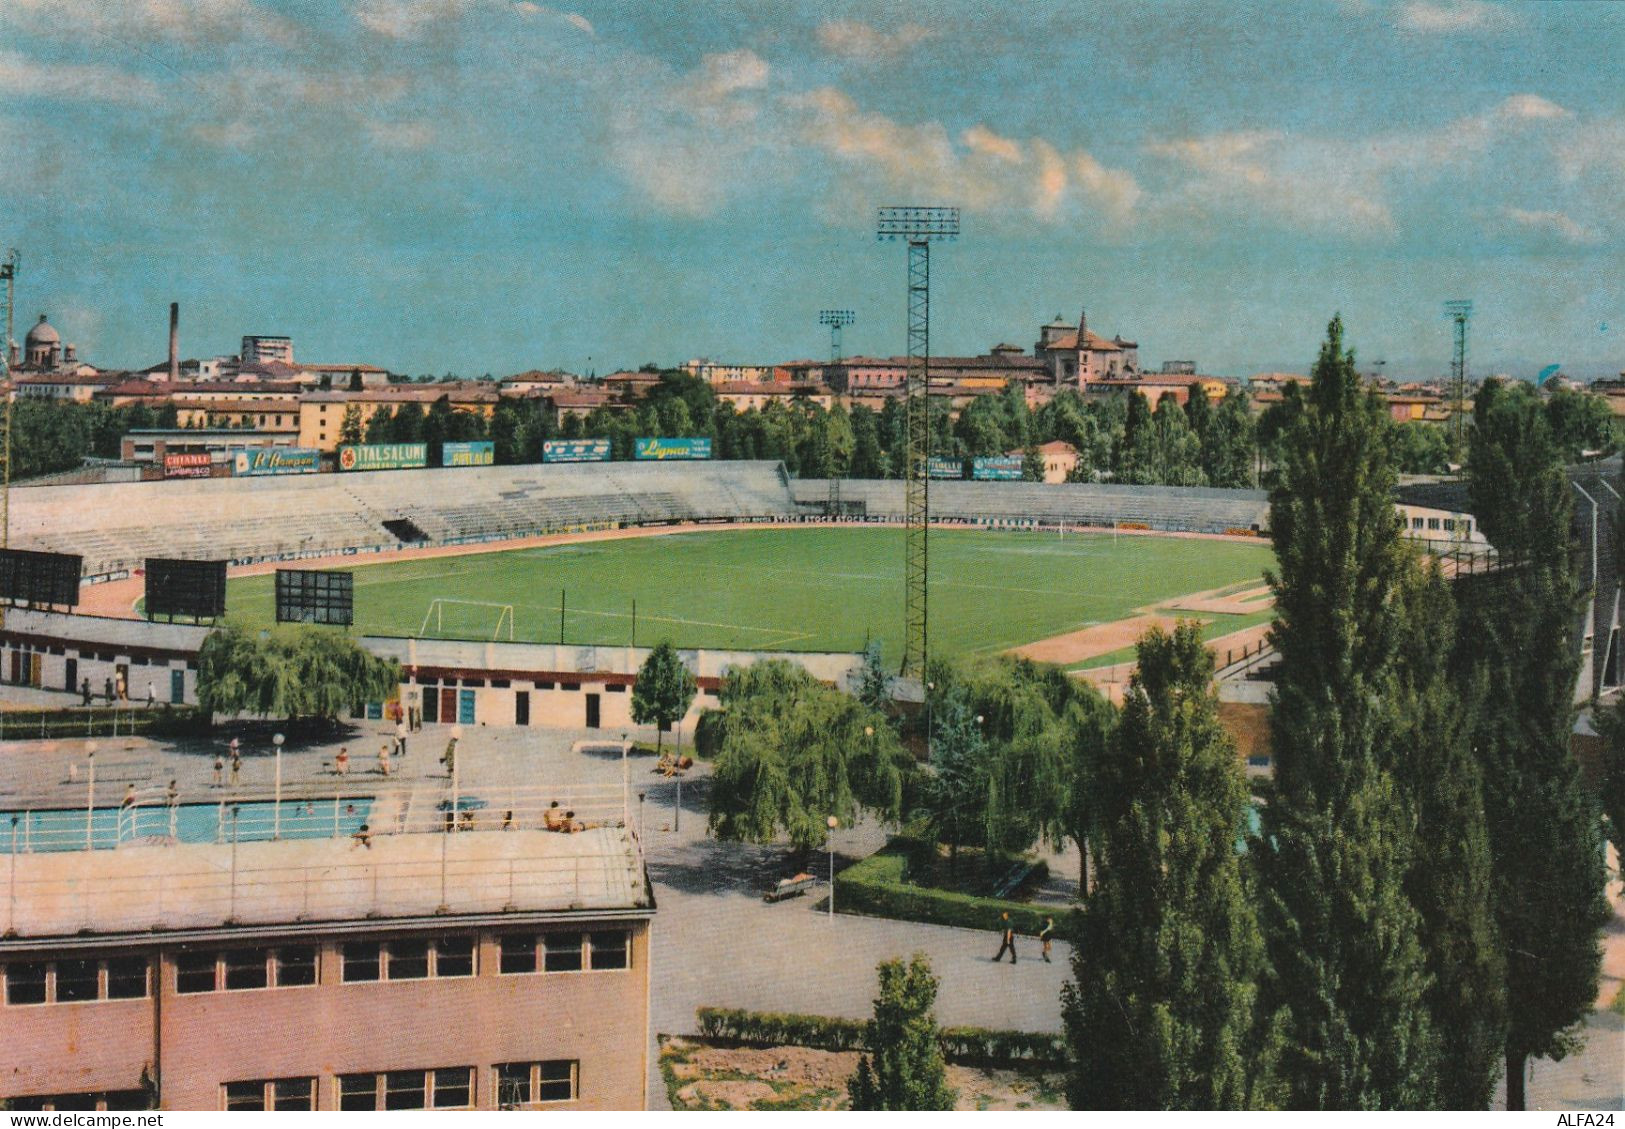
(971, 1046)
(878, 885)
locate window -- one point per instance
(473, 682)
(445, 1088)
(277, 1094)
(454, 956)
(1433, 523)
(518, 954)
(1416, 523)
(528, 1083)
(569, 685)
(615, 688)
(453, 1088)
(361, 961)
(499, 683)
(106, 1100)
(1450, 524)
(247, 968)
(76, 980)
(544, 685)
(194, 972)
(127, 978)
(408, 960)
(563, 952)
(25, 983)
(296, 967)
(609, 950)
(358, 1091)
(406, 1089)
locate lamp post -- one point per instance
(90, 797)
(276, 807)
(832, 823)
(640, 821)
(626, 783)
(456, 738)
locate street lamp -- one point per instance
(276, 809)
(832, 823)
(456, 736)
(626, 783)
(90, 799)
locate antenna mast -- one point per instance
(1458, 310)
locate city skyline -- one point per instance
(491, 185)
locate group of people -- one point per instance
(236, 751)
(120, 693)
(1007, 943)
(553, 819)
(670, 764)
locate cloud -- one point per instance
(1559, 224)
(182, 21)
(407, 19)
(853, 39)
(400, 135)
(28, 78)
(980, 139)
(718, 76)
(1452, 16)
(580, 22)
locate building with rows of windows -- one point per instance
(478, 970)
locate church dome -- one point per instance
(43, 333)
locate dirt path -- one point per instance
(1100, 639)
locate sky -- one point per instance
(488, 186)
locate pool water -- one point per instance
(63, 829)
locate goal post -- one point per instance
(438, 607)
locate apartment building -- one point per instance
(478, 970)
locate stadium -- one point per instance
(469, 569)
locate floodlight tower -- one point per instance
(835, 319)
(1458, 310)
(8, 274)
(919, 227)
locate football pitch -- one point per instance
(820, 588)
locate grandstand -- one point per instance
(116, 526)
(1163, 508)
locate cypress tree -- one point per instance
(1336, 843)
(904, 1068)
(1518, 643)
(1161, 1011)
(1431, 757)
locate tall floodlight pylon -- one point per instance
(1458, 311)
(919, 227)
(835, 319)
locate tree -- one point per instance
(1421, 448)
(1161, 1011)
(1432, 759)
(1134, 458)
(355, 380)
(350, 426)
(1517, 637)
(791, 752)
(290, 671)
(1335, 846)
(1032, 465)
(1228, 445)
(1580, 422)
(663, 691)
(904, 1068)
(874, 684)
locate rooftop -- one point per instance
(174, 887)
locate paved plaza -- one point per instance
(715, 941)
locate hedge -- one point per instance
(878, 886)
(974, 1046)
(166, 721)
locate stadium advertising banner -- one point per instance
(384, 456)
(187, 464)
(575, 450)
(673, 448)
(478, 452)
(997, 468)
(276, 460)
(938, 467)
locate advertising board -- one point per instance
(383, 456)
(938, 467)
(187, 464)
(275, 460)
(478, 452)
(673, 448)
(575, 450)
(997, 468)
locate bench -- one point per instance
(1016, 876)
(789, 888)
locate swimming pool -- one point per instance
(63, 829)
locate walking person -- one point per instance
(219, 769)
(152, 695)
(84, 693)
(107, 690)
(1045, 935)
(236, 766)
(341, 763)
(1008, 944)
(383, 760)
(400, 738)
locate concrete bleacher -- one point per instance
(116, 526)
(1164, 508)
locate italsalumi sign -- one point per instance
(276, 460)
(575, 450)
(187, 464)
(479, 452)
(673, 448)
(384, 456)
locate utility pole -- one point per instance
(919, 227)
(8, 274)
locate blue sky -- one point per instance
(492, 185)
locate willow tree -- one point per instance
(290, 671)
(791, 752)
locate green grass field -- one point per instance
(812, 589)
